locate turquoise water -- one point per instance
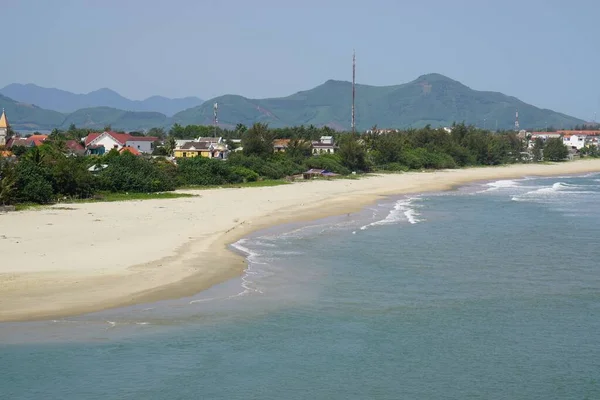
(491, 291)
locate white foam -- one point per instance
(501, 184)
(404, 209)
(557, 189)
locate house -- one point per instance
(114, 140)
(30, 141)
(208, 149)
(194, 149)
(313, 172)
(74, 148)
(279, 145)
(575, 141)
(212, 140)
(324, 146)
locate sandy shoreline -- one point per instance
(72, 259)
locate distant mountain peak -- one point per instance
(432, 98)
(67, 102)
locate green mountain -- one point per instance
(430, 99)
(29, 117)
(99, 117)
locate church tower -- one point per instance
(3, 129)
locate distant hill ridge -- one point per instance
(430, 99)
(67, 102)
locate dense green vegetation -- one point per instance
(46, 174)
(431, 99)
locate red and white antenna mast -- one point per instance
(353, 88)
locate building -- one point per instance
(324, 146)
(179, 143)
(4, 127)
(279, 145)
(29, 141)
(114, 140)
(194, 149)
(205, 148)
(575, 141)
(74, 148)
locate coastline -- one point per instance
(78, 258)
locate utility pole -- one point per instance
(353, 89)
(215, 120)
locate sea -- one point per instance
(488, 291)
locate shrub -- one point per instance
(33, 183)
(330, 162)
(129, 173)
(243, 174)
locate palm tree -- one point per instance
(170, 145)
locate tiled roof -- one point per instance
(196, 146)
(33, 140)
(133, 151)
(281, 142)
(37, 139)
(18, 141)
(121, 138)
(74, 145)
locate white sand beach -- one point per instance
(76, 258)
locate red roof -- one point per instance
(133, 151)
(121, 138)
(581, 133)
(37, 139)
(74, 145)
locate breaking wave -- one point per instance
(403, 210)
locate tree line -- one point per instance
(47, 174)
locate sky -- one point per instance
(545, 52)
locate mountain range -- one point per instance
(67, 102)
(430, 99)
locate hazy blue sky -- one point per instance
(546, 52)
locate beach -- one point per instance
(70, 259)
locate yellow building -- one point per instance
(204, 149)
(194, 149)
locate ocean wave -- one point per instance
(557, 189)
(404, 209)
(501, 184)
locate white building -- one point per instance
(114, 140)
(324, 146)
(576, 141)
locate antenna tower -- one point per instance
(215, 119)
(353, 88)
(517, 121)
